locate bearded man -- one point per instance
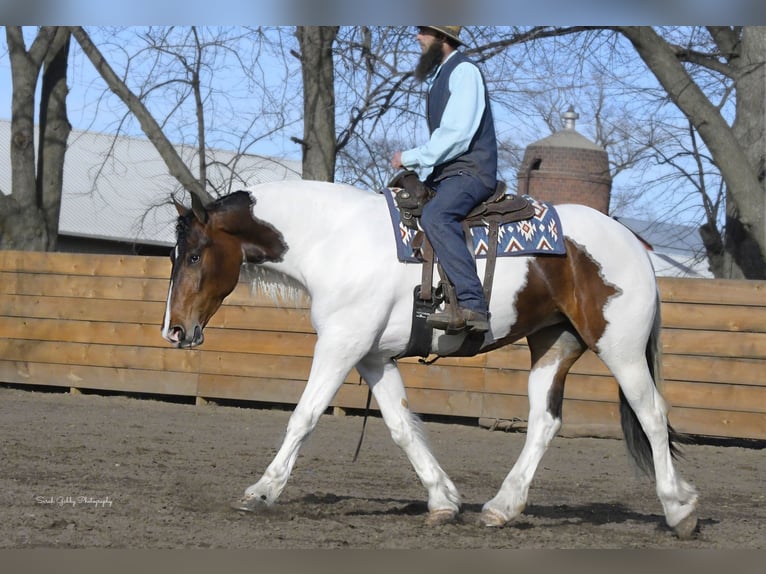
(458, 162)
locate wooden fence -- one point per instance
(84, 321)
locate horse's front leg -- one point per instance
(333, 360)
(383, 377)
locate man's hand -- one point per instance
(396, 160)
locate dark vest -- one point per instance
(481, 157)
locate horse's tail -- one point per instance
(637, 442)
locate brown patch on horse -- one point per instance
(559, 345)
(559, 289)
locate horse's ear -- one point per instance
(199, 209)
(180, 207)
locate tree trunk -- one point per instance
(749, 129)
(319, 139)
(746, 213)
(54, 132)
(22, 218)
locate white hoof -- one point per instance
(441, 516)
(686, 528)
(492, 518)
(249, 503)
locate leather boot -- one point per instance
(452, 323)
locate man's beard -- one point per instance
(429, 60)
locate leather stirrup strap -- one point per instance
(427, 276)
(489, 270)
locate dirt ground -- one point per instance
(91, 471)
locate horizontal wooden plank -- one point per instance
(269, 390)
(106, 287)
(712, 344)
(102, 378)
(100, 355)
(232, 316)
(592, 387)
(442, 402)
(81, 332)
(581, 415)
(258, 389)
(81, 309)
(276, 367)
(443, 376)
(110, 310)
(715, 291)
(85, 264)
(715, 396)
(719, 423)
(517, 357)
(233, 340)
(124, 289)
(694, 368)
(714, 317)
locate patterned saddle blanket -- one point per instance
(540, 234)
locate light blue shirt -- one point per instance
(460, 120)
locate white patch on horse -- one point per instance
(166, 319)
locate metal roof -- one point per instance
(675, 250)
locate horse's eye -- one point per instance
(194, 258)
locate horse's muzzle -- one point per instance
(178, 336)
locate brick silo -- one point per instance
(566, 167)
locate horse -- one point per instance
(335, 241)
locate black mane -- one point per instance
(235, 200)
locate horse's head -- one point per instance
(212, 242)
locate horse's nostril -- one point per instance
(179, 333)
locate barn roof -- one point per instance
(675, 250)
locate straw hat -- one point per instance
(452, 32)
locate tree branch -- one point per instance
(149, 125)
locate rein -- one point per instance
(364, 422)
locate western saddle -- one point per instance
(498, 210)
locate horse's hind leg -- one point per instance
(678, 498)
(383, 377)
(554, 350)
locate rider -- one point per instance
(459, 162)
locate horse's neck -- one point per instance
(307, 214)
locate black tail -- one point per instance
(635, 437)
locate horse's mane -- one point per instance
(282, 289)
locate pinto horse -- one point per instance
(336, 242)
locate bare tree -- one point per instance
(737, 55)
(29, 215)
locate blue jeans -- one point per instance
(442, 220)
